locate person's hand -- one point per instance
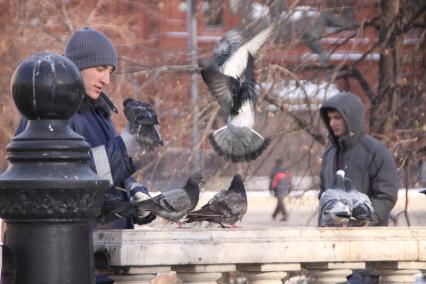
(144, 220)
(140, 196)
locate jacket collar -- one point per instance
(103, 104)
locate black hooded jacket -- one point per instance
(366, 160)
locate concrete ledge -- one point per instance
(240, 246)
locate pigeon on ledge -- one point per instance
(226, 207)
(174, 204)
(143, 123)
(335, 204)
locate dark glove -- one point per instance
(143, 220)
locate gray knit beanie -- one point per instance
(90, 48)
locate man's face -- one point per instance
(337, 123)
(95, 79)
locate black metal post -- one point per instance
(49, 194)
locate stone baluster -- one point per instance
(332, 272)
(398, 271)
(202, 274)
(272, 273)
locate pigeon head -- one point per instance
(139, 112)
(127, 101)
(339, 180)
(203, 63)
(192, 188)
(228, 44)
(195, 179)
(237, 184)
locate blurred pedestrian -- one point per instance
(280, 185)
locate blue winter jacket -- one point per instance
(109, 155)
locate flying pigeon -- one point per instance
(112, 210)
(143, 122)
(362, 208)
(174, 204)
(226, 207)
(230, 79)
(335, 204)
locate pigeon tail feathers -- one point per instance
(238, 144)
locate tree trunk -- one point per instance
(385, 104)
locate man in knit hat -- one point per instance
(94, 54)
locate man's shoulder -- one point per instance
(373, 145)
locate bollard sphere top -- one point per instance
(47, 86)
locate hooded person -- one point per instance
(95, 56)
(366, 160)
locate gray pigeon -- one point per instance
(143, 122)
(230, 79)
(112, 210)
(174, 204)
(335, 204)
(362, 208)
(226, 207)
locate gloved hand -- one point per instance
(144, 220)
(140, 196)
(129, 139)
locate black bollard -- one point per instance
(49, 194)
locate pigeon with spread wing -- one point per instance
(226, 207)
(231, 80)
(143, 123)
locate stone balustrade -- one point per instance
(263, 255)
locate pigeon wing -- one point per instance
(115, 209)
(236, 204)
(218, 84)
(362, 206)
(171, 205)
(175, 201)
(237, 62)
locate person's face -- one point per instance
(95, 79)
(337, 123)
